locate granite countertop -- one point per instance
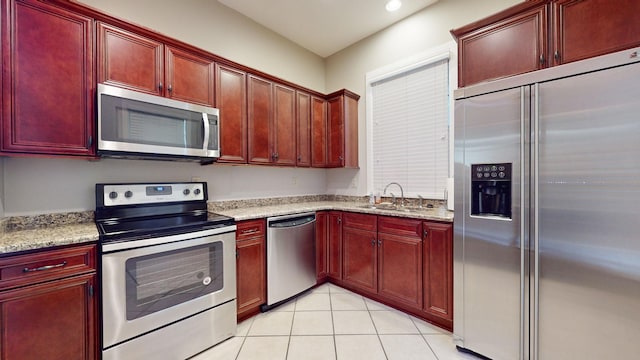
(24, 233)
(255, 212)
(43, 231)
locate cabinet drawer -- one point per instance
(399, 226)
(46, 265)
(359, 221)
(250, 228)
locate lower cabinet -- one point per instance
(405, 263)
(48, 305)
(251, 267)
(438, 272)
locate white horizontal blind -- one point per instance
(410, 113)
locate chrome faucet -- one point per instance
(401, 192)
(421, 200)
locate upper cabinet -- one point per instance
(143, 64)
(303, 147)
(342, 130)
(47, 80)
(542, 33)
(318, 132)
(231, 100)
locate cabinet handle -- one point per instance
(379, 242)
(373, 242)
(43, 268)
(160, 86)
(341, 158)
(425, 233)
(274, 156)
(90, 141)
(339, 220)
(299, 157)
(170, 88)
(249, 231)
(542, 59)
(556, 55)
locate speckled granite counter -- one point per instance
(42, 231)
(246, 213)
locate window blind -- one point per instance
(410, 118)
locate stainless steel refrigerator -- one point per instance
(547, 213)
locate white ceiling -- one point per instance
(324, 26)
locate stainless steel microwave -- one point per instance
(137, 125)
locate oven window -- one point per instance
(159, 281)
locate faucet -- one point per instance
(421, 200)
(401, 191)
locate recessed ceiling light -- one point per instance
(393, 5)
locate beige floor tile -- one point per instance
(272, 323)
(322, 289)
(311, 348)
(288, 306)
(347, 301)
(376, 306)
(393, 322)
(406, 347)
(314, 302)
(353, 322)
(264, 348)
(427, 328)
(445, 349)
(356, 347)
(312, 323)
(244, 326)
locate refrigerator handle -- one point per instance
(524, 246)
(536, 220)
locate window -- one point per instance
(408, 117)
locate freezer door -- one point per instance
(589, 199)
(488, 252)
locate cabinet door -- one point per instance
(130, 61)
(583, 29)
(322, 244)
(335, 245)
(251, 275)
(284, 129)
(189, 77)
(303, 121)
(259, 120)
(335, 132)
(231, 100)
(48, 80)
(400, 268)
(513, 46)
(438, 269)
(360, 256)
(319, 132)
(52, 320)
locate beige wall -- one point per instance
(417, 34)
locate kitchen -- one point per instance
(39, 186)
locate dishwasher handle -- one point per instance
(292, 222)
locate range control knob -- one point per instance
(196, 191)
(186, 192)
(128, 194)
(113, 195)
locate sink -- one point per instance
(388, 207)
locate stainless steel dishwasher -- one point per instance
(291, 256)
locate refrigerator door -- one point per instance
(588, 169)
(488, 252)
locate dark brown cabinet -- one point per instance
(342, 130)
(322, 245)
(136, 62)
(303, 147)
(47, 80)
(438, 272)
(231, 100)
(541, 33)
(271, 123)
(251, 268)
(318, 132)
(400, 260)
(360, 251)
(49, 305)
(334, 254)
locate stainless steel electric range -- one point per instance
(167, 269)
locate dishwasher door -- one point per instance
(291, 256)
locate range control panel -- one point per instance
(131, 194)
(491, 171)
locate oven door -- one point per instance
(148, 287)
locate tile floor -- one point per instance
(331, 323)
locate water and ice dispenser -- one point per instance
(491, 190)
